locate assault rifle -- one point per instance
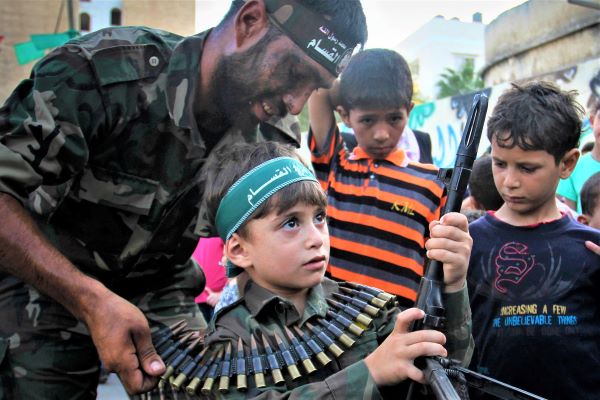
(439, 371)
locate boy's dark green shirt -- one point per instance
(103, 146)
(346, 377)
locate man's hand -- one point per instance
(393, 361)
(122, 337)
(450, 243)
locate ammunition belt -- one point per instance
(199, 370)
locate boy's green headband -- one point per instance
(254, 188)
(312, 33)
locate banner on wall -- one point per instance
(444, 119)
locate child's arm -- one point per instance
(321, 107)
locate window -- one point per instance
(84, 22)
(115, 16)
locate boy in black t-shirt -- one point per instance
(534, 285)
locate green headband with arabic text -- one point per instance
(252, 190)
(312, 33)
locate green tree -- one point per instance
(459, 82)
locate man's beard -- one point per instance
(235, 91)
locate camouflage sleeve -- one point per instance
(46, 123)
(458, 314)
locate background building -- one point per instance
(177, 16)
(540, 37)
(555, 41)
(18, 20)
(98, 14)
(21, 18)
(441, 44)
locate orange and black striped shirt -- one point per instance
(379, 213)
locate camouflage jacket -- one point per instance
(102, 145)
(346, 376)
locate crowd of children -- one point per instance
(533, 273)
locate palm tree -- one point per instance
(459, 82)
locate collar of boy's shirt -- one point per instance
(535, 225)
(262, 301)
(396, 157)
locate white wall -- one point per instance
(441, 44)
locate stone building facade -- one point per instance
(540, 37)
(20, 18)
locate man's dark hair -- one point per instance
(590, 193)
(230, 163)
(537, 116)
(481, 184)
(376, 78)
(346, 16)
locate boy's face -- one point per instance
(527, 180)
(286, 253)
(377, 130)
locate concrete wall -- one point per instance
(445, 119)
(19, 19)
(177, 16)
(539, 37)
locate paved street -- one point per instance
(112, 389)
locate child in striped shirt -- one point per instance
(381, 206)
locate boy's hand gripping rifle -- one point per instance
(429, 297)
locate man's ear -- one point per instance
(568, 163)
(583, 219)
(345, 115)
(251, 23)
(236, 252)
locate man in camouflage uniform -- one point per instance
(100, 153)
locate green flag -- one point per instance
(27, 52)
(43, 41)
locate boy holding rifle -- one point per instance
(294, 333)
